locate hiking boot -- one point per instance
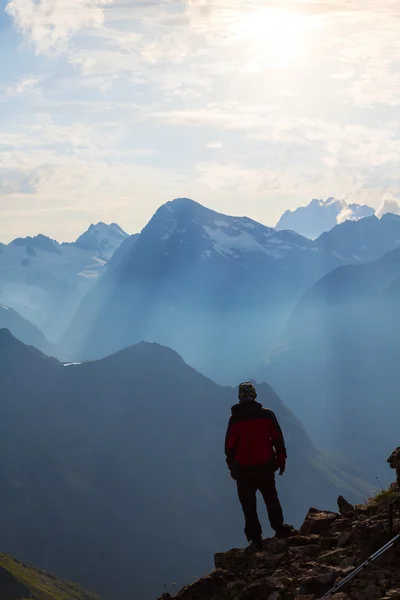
(285, 531)
(256, 545)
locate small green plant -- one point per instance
(382, 496)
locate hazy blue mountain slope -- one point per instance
(336, 365)
(112, 473)
(121, 253)
(218, 289)
(365, 239)
(25, 331)
(45, 281)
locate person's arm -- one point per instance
(230, 443)
(278, 442)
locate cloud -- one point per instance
(215, 145)
(389, 204)
(50, 24)
(27, 85)
(346, 214)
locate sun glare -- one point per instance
(280, 36)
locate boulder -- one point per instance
(318, 521)
(345, 508)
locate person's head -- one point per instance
(394, 459)
(247, 392)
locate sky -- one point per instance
(109, 109)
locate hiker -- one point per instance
(255, 449)
(394, 463)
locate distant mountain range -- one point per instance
(322, 215)
(337, 363)
(112, 473)
(218, 289)
(44, 280)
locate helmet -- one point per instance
(247, 391)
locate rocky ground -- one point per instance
(326, 549)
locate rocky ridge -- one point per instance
(327, 548)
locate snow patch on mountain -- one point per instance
(229, 241)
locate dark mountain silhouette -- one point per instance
(218, 289)
(363, 240)
(322, 215)
(112, 472)
(25, 331)
(336, 365)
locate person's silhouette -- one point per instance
(255, 450)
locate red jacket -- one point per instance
(254, 441)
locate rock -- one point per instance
(361, 509)
(229, 560)
(305, 567)
(345, 538)
(304, 552)
(318, 521)
(235, 587)
(334, 557)
(328, 542)
(345, 508)
(392, 595)
(371, 592)
(303, 540)
(257, 590)
(347, 562)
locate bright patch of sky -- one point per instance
(111, 108)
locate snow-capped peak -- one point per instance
(39, 242)
(207, 233)
(320, 216)
(102, 237)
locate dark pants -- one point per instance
(247, 490)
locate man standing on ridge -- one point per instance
(255, 449)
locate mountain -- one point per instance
(336, 365)
(119, 255)
(102, 238)
(321, 215)
(217, 289)
(45, 281)
(112, 472)
(25, 331)
(363, 240)
(328, 548)
(18, 581)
